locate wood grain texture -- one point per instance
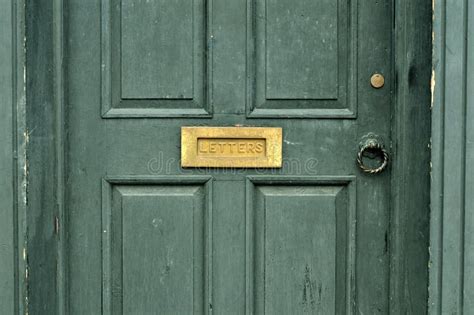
(43, 128)
(411, 161)
(13, 168)
(59, 92)
(452, 213)
(300, 243)
(42, 176)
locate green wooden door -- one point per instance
(145, 236)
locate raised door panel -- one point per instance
(154, 58)
(155, 244)
(300, 242)
(302, 56)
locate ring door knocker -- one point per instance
(372, 144)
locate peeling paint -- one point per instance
(24, 182)
(309, 287)
(433, 72)
(433, 86)
(27, 273)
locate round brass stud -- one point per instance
(377, 81)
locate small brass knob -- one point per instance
(377, 81)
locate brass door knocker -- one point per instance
(375, 146)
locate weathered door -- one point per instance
(145, 236)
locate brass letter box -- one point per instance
(258, 147)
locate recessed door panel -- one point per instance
(154, 248)
(300, 241)
(154, 58)
(301, 56)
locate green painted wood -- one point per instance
(282, 39)
(141, 157)
(468, 276)
(411, 137)
(60, 151)
(164, 226)
(228, 268)
(295, 249)
(42, 168)
(452, 236)
(287, 44)
(8, 300)
(139, 147)
(158, 73)
(143, 62)
(13, 140)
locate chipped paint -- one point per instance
(433, 72)
(293, 143)
(433, 86)
(26, 275)
(24, 182)
(23, 162)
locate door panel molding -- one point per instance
(266, 257)
(139, 217)
(334, 50)
(131, 92)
